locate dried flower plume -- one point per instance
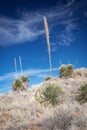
(48, 43)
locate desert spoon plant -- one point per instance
(24, 82)
(48, 43)
(50, 94)
(17, 85)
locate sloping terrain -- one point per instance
(21, 110)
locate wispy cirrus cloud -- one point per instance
(30, 72)
(67, 36)
(68, 22)
(8, 78)
(18, 31)
(70, 2)
(30, 25)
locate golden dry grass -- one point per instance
(20, 110)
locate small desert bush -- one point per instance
(65, 117)
(48, 78)
(62, 118)
(20, 83)
(66, 70)
(82, 97)
(57, 119)
(78, 73)
(17, 85)
(50, 94)
(24, 78)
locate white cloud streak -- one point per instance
(30, 26)
(67, 35)
(18, 31)
(31, 72)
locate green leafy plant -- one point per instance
(66, 70)
(20, 84)
(82, 97)
(48, 78)
(24, 78)
(17, 85)
(50, 94)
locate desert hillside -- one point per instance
(22, 111)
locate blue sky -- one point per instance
(22, 34)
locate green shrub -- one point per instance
(49, 94)
(82, 97)
(20, 84)
(66, 70)
(17, 85)
(47, 78)
(24, 78)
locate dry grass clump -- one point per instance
(50, 94)
(78, 72)
(59, 118)
(65, 117)
(82, 97)
(17, 110)
(27, 110)
(48, 78)
(80, 117)
(85, 74)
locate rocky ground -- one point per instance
(21, 111)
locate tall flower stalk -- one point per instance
(48, 43)
(20, 65)
(15, 65)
